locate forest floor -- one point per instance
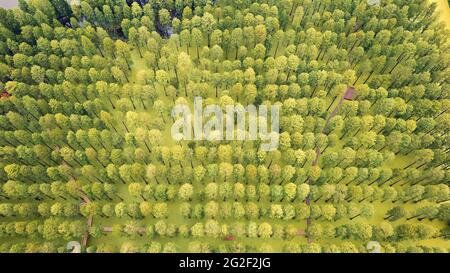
(444, 11)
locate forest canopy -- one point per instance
(86, 153)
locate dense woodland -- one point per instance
(86, 153)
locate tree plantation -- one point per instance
(86, 152)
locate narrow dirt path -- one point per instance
(84, 197)
(349, 94)
(90, 220)
(86, 234)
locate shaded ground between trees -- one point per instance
(444, 11)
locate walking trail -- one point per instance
(349, 94)
(90, 220)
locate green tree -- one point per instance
(395, 213)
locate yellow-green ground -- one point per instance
(444, 11)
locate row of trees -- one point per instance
(202, 247)
(212, 209)
(50, 229)
(430, 212)
(46, 247)
(287, 192)
(336, 166)
(213, 229)
(348, 247)
(85, 146)
(237, 210)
